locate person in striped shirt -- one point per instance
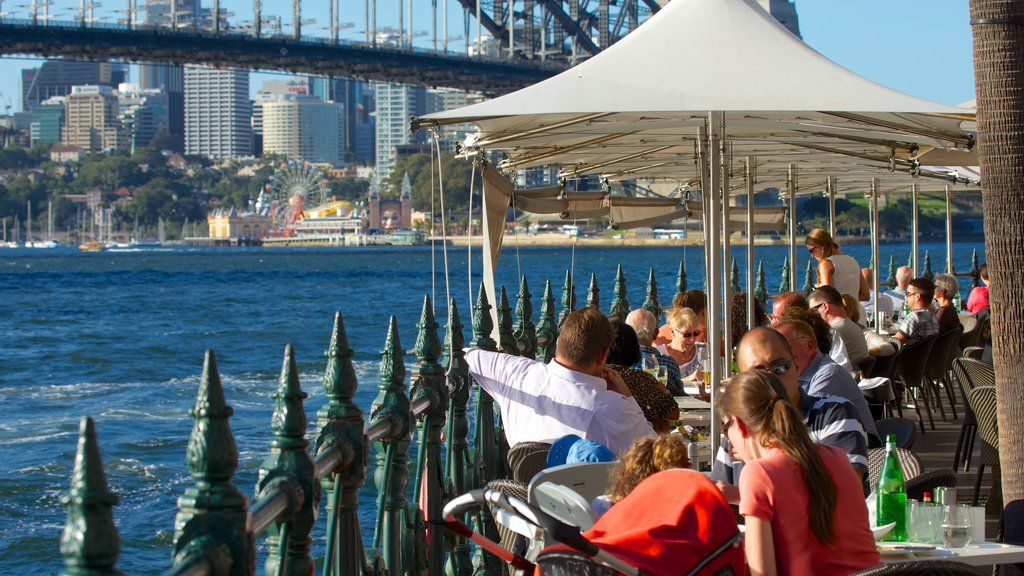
(830, 420)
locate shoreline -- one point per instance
(562, 240)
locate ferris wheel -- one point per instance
(296, 188)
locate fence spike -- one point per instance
(651, 299)
(593, 292)
(681, 279)
(620, 306)
(547, 331)
(525, 332)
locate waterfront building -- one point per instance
(48, 121)
(303, 128)
(395, 104)
(91, 121)
(57, 77)
(143, 113)
(217, 112)
(389, 214)
(230, 223)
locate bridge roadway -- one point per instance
(491, 77)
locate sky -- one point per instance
(922, 47)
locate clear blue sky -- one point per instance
(922, 47)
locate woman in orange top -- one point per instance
(788, 531)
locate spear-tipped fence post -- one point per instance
(784, 285)
(392, 409)
(547, 330)
(620, 306)
(809, 278)
(681, 280)
(90, 544)
(975, 271)
(459, 562)
(524, 332)
(487, 463)
(341, 426)
(734, 278)
(910, 261)
(211, 524)
(760, 292)
(568, 298)
(429, 387)
(593, 292)
(506, 339)
(651, 299)
(927, 272)
(891, 280)
(289, 469)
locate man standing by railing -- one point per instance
(573, 394)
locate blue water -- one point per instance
(120, 337)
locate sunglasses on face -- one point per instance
(909, 293)
(693, 334)
(778, 368)
(816, 306)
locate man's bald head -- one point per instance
(644, 323)
(761, 349)
(903, 276)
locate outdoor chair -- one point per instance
(983, 402)
(938, 364)
(526, 459)
(973, 352)
(880, 396)
(905, 431)
(972, 331)
(909, 463)
(970, 374)
(885, 367)
(588, 479)
(866, 365)
(929, 481)
(910, 367)
(920, 568)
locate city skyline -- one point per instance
(914, 46)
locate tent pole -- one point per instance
(750, 241)
(714, 275)
(914, 231)
(874, 252)
(949, 232)
(791, 184)
(830, 186)
(705, 198)
(726, 261)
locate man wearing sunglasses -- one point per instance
(831, 421)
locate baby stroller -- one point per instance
(675, 522)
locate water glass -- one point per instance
(924, 522)
(649, 364)
(956, 526)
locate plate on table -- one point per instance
(898, 548)
(879, 531)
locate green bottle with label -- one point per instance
(891, 505)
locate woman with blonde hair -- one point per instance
(787, 530)
(836, 269)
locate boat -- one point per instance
(91, 246)
(50, 242)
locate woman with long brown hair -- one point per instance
(788, 531)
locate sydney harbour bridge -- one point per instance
(515, 42)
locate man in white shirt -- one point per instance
(574, 394)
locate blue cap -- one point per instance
(571, 448)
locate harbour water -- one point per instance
(120, 337)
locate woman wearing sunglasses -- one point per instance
(685, 330)
(788, 531)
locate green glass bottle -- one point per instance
(891, 505)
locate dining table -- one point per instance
(981, 554)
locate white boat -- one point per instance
(51, 243)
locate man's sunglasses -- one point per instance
(779, 368)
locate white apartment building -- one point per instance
(395, 104)
(217, 112)
(90, 119)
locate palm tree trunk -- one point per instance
(998, 27)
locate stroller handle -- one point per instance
(462, 504)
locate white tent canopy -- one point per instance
(638, 107)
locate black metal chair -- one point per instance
(904, 430)
(527, 458)
(920, 568)
(983, 402)
(938, 364)
(969, 374)
(972, 331)
(910, 365)
(910, 464)
(929, 481)
(885, 367)
(973, 352)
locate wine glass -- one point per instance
(956, 526)
(649, 364)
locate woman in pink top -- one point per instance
(788, 531)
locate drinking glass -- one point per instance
(956, 526)
(649, 364)
(663, 375)
(924, 522)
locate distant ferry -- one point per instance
(91, 246)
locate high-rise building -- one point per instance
(143, 113)
(48, 121)
(217, 112)
(91, 119)
(395, 104)
(357, 98)
(303, 128)
(57, 77)
(785, 12)
(169, 77)
(441, 99)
